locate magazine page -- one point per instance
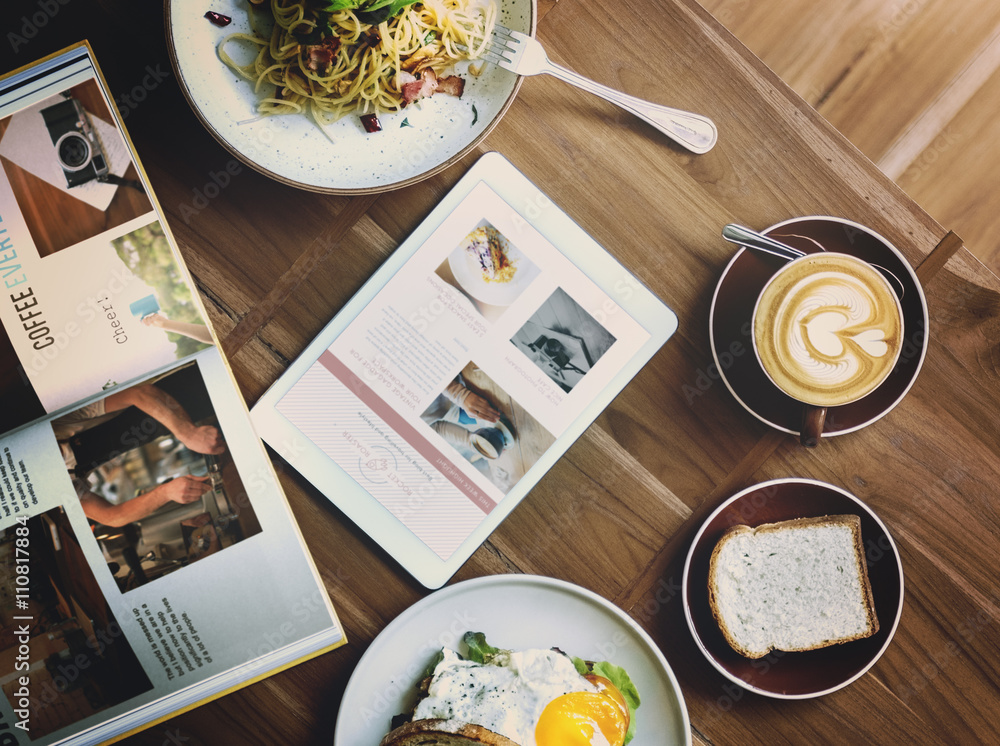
(135, 567)
(451, 385)
(93, 294)
(148, 559)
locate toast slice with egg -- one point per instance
(439, 732)
(501, 697)
(792, 586)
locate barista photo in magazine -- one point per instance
(164, 409)
(172, 495)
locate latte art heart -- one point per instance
(828, 329)
(872, 341)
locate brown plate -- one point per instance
(814, 672)
(732, 309)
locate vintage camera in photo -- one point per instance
(78, 149)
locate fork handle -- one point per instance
(694, 131)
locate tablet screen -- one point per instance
(456, 384)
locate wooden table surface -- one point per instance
(275, 263)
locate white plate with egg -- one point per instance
(415, 143)
(516, 612)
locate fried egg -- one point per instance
(533, 697)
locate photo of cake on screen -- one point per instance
(80, 663)
(173, 495)
(477, 418)
(488, 269)
(563, 340)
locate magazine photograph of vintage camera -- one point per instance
(78, 148)
(69, 169)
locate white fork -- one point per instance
(524, 55)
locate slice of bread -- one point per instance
(794, 585)
(438, 732)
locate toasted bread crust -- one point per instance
(438, 732)
(713, 599)
(851, 521)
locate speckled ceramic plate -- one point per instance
(515, 612)
(422, 140)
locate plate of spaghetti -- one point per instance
(344, 96)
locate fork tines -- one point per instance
(503, 46)
(504, 33)
(494, 54)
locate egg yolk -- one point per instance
(582, 719)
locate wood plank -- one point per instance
(884, 92)
(285, 285)
(912, 84)
(956, 177)
(811, 45)
(870, 67)
(940, 114)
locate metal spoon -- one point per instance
(743, 236)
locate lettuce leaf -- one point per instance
(620, 678)
(374, 11)
(480, 651)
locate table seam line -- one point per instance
(265, 310)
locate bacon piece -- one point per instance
(419, 87)
(371, 123)
(427, 84)
(319, 57)
(453, 85)
(406, 79)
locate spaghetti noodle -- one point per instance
(328, 63)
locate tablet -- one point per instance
(433, 402)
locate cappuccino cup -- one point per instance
(827, 331)
(488, 441)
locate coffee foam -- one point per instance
(483, 445)
(828, 329)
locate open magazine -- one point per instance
(148, 558)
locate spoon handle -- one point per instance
(751, 239)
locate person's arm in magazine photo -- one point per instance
(198, 332)
(162, 407)
(183, 490)
(471, 402)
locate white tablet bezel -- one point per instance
(348, 495)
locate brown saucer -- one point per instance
(732, 309)
(815, 672)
